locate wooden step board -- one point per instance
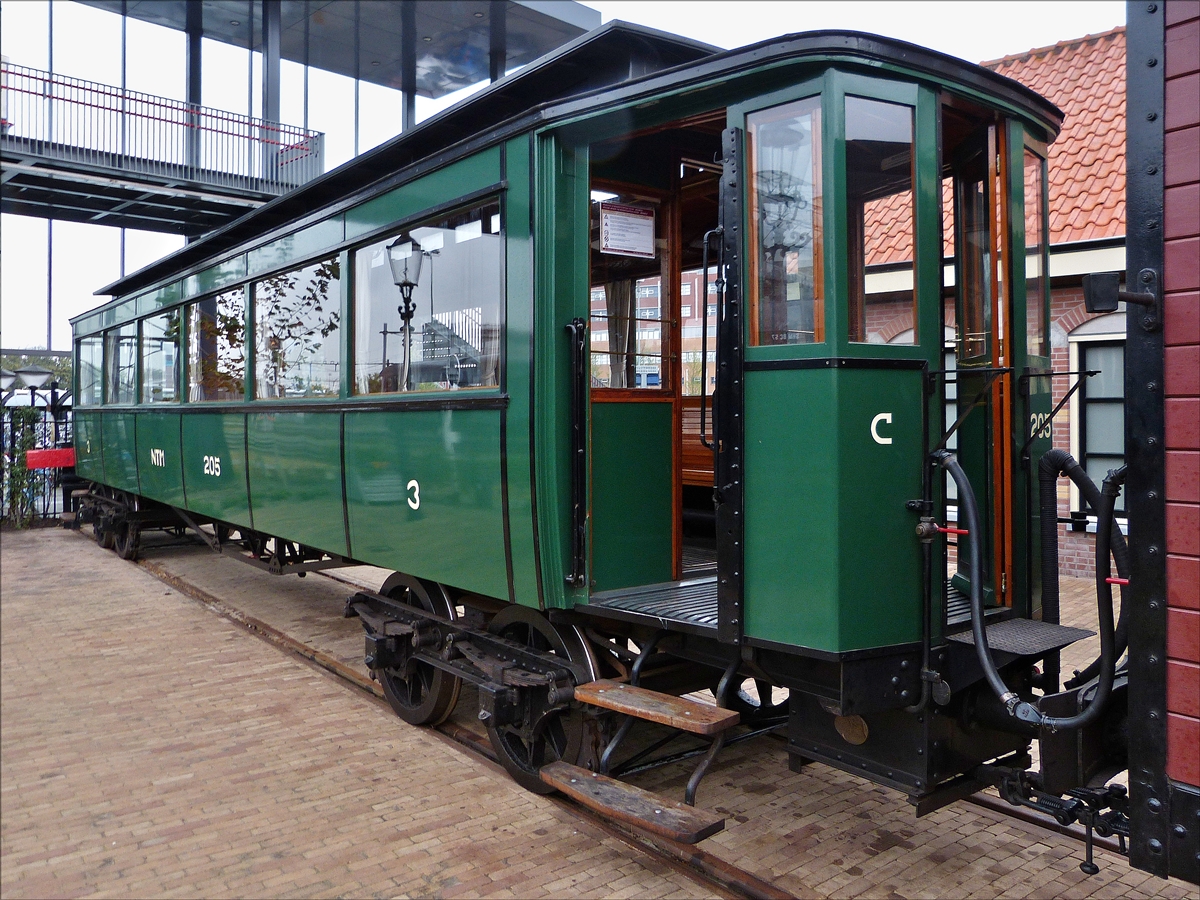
(666, 709)
(632, 805)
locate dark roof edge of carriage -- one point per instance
(567, 82)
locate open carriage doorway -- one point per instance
(654, 195)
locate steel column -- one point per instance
(408, 63)
(498, 51)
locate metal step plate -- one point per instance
(1026, 637)
(692, 602)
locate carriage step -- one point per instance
(666, 709)
(67, 516)
(632, 805)
(81, 492)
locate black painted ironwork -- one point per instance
(728, 427)
(577, 330)
(1149, 794)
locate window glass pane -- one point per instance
(879, 178)
(1035, 256)
(451, 338)
(1105, 432)
(297, 348)
(1097, 467)
(627, 292)
(90, 367)
(695, 304)
(25, 37)
(627, 334)
(786, 279)
(217, 347)
(972, 225)
(1109, 359)
(331, 110)
(160, 358)
(155, 57)
(79, 31)
(120, 364)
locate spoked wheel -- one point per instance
(104, 536)
(757, 703)
(524, 747)
(127, 540)
(428, 695)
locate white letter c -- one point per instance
(882, 417)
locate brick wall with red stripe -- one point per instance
(1181, 284)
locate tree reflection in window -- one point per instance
(297, 316)
(786, 281)
(160, 358)
(217, 347)
(91, 371)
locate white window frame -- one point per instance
(1102, 329)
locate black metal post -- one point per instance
(194, 31)
(408, 63)
(498, 49)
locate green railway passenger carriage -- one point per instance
(648, 353)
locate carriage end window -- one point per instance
(217, 347)
(120, 364)
(786, 262)
(879, 204)
(90, 367)
(428, 306)
(297, 348)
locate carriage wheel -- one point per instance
(104, 536)
(428, 696)
(127, 540)
(525, 747)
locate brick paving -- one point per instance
(818, 833)
(150, 748)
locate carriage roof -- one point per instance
(608, 66)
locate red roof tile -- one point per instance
(1085, 78)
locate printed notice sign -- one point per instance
(626, 230)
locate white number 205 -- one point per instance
(212, 466)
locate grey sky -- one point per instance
(87, 46)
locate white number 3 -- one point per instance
(415, 500)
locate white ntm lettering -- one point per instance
(157, 457)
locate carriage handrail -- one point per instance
(85, 121)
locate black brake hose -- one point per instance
(1052, 464)
(1018, 708)
(969, 511)
(1108, 649)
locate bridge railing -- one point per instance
(84, 122)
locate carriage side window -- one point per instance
(1035, 255)
(297, 348)
(90, 367)
(786, 262)
(120, 364)
(160, 358)
(427, 305)
(217, 347)
(879, 205)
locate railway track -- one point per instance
(702, 866)
(698, 864)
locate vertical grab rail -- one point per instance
(703, 300)
(577, 330)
